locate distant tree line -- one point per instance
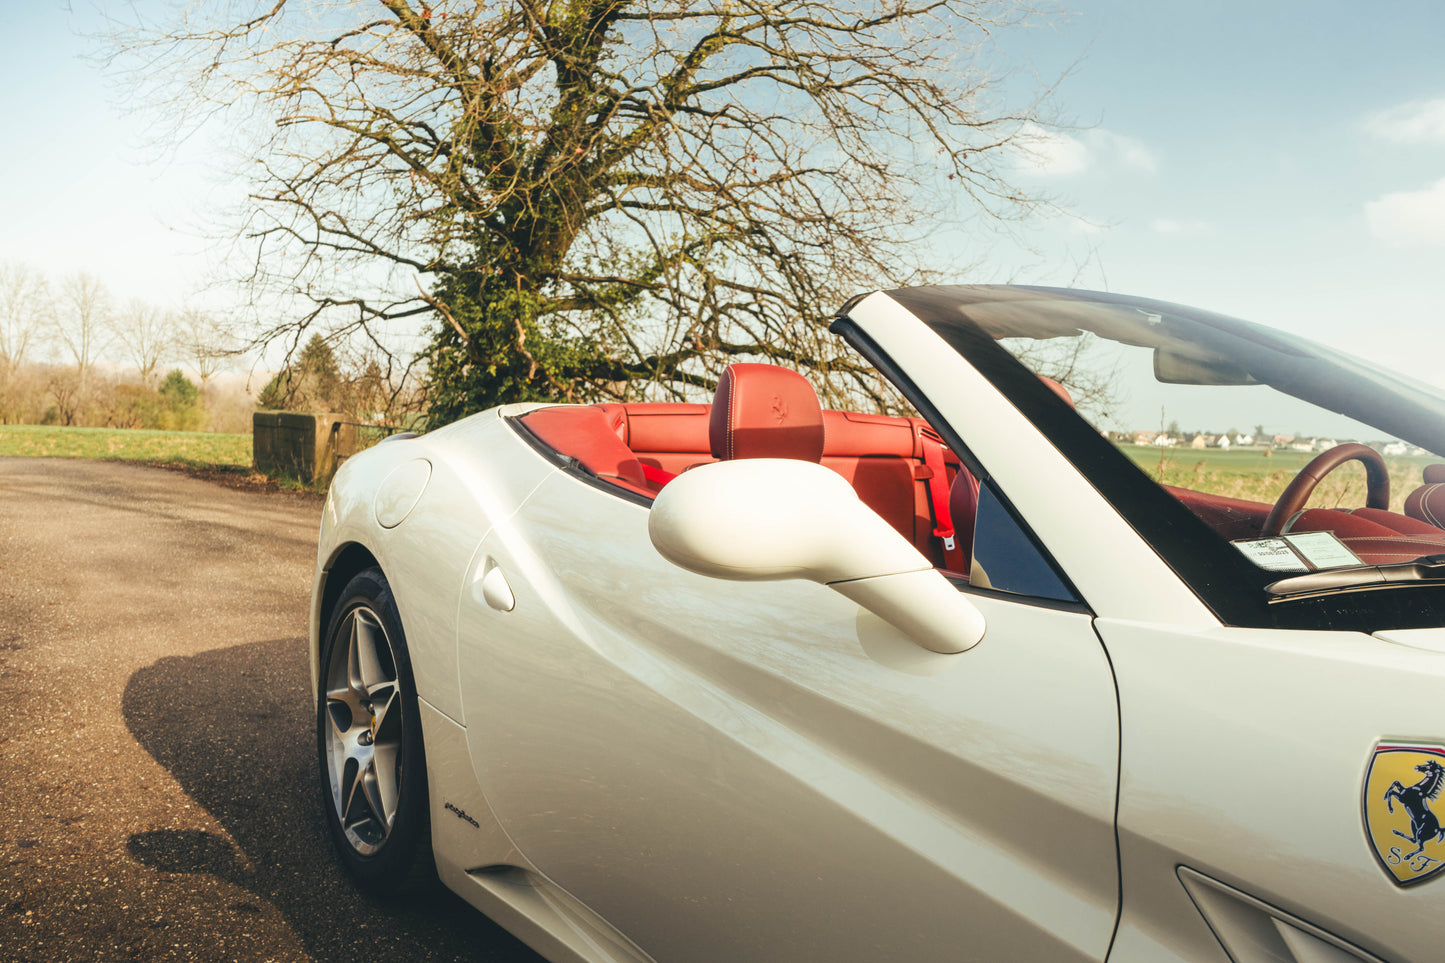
(71, 355)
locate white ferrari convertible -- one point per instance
(1025, 671)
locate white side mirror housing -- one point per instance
(762, 519)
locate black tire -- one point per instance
(369, 743)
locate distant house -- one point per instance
(1219, 441)
(1145, 437)
(1200, 440)
(1282, 441)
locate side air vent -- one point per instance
(1252, 931)
(566, 929)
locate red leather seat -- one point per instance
(1427, 503)
(1404, 524)
(893, 463)
(763, 411)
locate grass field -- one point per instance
(194, 449)
(1249, 473)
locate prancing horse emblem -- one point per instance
(1402, 783)
(780, 409)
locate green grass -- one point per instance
(1249, 473)
(196, 449)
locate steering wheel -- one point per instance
(1297, 493)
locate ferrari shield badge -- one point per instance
(1403, 810)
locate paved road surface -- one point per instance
(156, 760)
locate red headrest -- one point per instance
(1434, 474)
(1427, 503)
(763, 411)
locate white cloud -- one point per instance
(1418, 122)
(1177, 228)
(1051, 153)
(1128, 151)
(1409, 217)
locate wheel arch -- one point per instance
(349, 561)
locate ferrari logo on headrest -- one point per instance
(780, 409)
(1402, 789)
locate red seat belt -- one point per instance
(938, 494)
(658, 476)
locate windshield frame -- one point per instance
(1234, 589)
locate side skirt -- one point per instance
(476, 859)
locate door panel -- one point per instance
(730, 771)
(1244, 759)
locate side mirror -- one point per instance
(763, 519)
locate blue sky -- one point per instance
(1280, 161)
(85, 188)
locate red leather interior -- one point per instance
(1401, 548)
(881, 456)
(1375, 535)
(588, 435)
(1403, 524)
(672, 437)
(1417, 532)
(1230, 517)
(1427, 503)
(1343, 524)
(763, 411)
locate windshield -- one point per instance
(1296, 457)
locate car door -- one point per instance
(756, 771)
(1257, 811)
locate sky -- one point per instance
(1283, 162)
(1279, 161)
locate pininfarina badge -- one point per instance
(1401, 801)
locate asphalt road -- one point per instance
(157, 778)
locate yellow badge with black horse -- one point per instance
(1403, 811)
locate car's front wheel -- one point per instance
(369, 741)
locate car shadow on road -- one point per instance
(234, 727)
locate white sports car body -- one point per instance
(758, 681)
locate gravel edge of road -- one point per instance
(240, 479)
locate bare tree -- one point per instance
(146, 334)
(83, 323)
(203, 342)
(25, 309)
(65, 387)
(601, 197)
(1086, 368)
